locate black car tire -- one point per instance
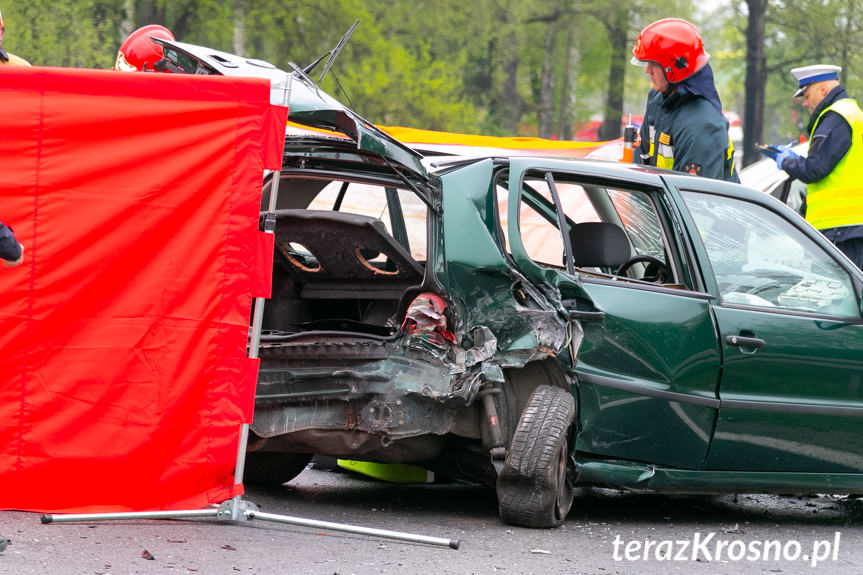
(517, 388)
(272, 469)
(534, 489)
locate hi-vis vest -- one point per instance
(837, 199)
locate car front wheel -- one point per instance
(534, 489)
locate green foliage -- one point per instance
(460, 66)
(798, 33)
(64, 32)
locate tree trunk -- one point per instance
(512, 104)
(546, 93)
(610, 128)
(239, 40)
(127, 25)
(148, 12)
(565, 129)
(756, 79)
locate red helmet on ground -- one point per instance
(139, 52)
(675, 45)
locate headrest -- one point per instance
(599, 244)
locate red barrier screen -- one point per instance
(124, 376)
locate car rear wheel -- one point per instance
(517, 388)
(271, 469)
(534, 489)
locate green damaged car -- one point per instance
(535, 324)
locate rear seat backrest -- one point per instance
(343, 245)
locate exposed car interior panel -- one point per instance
(348, 256)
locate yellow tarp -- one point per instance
(524, 145)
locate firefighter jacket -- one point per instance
(833, 168)
(686, 131)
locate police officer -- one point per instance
(833, 167)
(683, 127)
(5, 57)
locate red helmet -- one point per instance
(139, 52)
(675, 45)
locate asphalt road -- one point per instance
(607, 532)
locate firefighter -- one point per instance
(683, 127)
(5, 57)
(139, 53)
(833, 166)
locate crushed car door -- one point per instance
(788, 313)
(648, 366)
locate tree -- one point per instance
(756, 80)
(499, 67)
(798, 34)
(615, 17)
(622, 21)
(569, 80)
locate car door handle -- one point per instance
(743, 341)
(582, 315)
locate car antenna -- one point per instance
(332, 54)
(308, 69)
(335, 51)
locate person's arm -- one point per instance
(829, 144)
(641, 153)
(11, 252)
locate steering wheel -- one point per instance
(660, 273)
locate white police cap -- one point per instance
(811, 74)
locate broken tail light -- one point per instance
(426, 320)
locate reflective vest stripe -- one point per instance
(662, 151)
(651, 133)
(729, 157)
(837, 199)
(665, 156)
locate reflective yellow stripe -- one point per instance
(729, 156)
(665, 152)
(651, 132)
(837, 199)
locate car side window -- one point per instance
(540, 233)
(607, 226)
(640, 220)
(371, 200)
(761, 259)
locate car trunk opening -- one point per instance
(337, 272)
